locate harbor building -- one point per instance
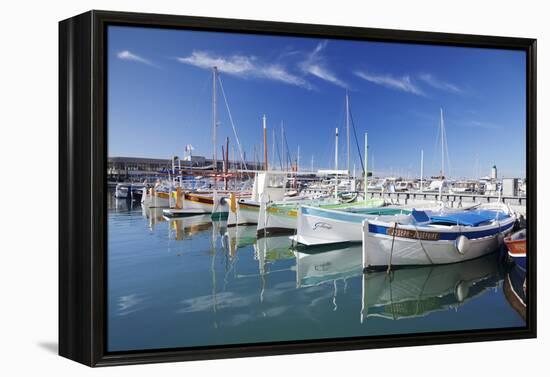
(137, 168)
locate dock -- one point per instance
(517, 203)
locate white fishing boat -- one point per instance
(321, 226)
(129, 191)
(156, 197)
(434, 237)
(268, 186)
(283, 217)
(403, 186)
(464, 187)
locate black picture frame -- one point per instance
(82, 186)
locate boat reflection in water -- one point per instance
(419, 291)
(182, 228)
(271, 249)
(515, 289)
(238, 237)
(153, 215)
(327, 265)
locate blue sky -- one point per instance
(160, 88)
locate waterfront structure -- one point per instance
(136, 168)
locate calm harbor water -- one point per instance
(193, 282)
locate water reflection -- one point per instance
(328, 266)
(238, 237)
(186, 227)
(515, 289)
(331, 265)
(220, 285)
(153, 216)
(415, 292)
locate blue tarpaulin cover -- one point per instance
(468, 218)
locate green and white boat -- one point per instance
(281, 217)
(321, 226)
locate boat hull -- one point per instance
(159, 200)
(517, 249)
(277, 219)
(283, 218)
(197, 203)
(320, 226)
(247, 213)
(420, 245)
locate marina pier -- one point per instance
(518, 203)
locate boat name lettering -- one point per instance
(322, 226)
(408, 233)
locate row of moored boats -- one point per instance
(422, 233)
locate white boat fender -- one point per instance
(461, 291)
(462, 244)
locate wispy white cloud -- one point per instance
(127, 55)
(245, 67)
(315, 65)
(439, 84)
(404, 83)
(479, 124)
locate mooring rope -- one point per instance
(391, 251)
(422, 245)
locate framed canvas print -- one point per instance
(232, 188)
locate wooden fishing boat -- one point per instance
(434, 237)
(156, 197)
(268, 186)
(283, 217)
(194, 203)
(517, 247)
(321, 226)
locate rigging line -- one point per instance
(356, 141)
(289, 159)
(447, 152)
(330, 153)
(272, 162)
(232, 124)
(278, 152)
(435, 150)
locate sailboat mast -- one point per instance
(214, 116)
(336, 165)
(421, 169)
(273, 146)
(298, 160)
(283, 145)
(366, 167)
(347, 128)
(226, 163)
(265, 143)
(442, 128)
